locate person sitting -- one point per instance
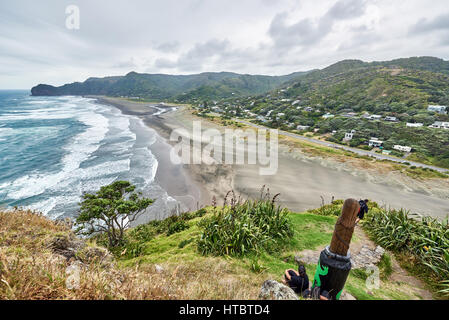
(363, 209)
(297, 280)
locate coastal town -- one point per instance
(348, 126)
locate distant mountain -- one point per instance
(208, 85)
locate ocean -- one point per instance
(53, 149)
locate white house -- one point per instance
(375, 142)
(402, 148)
(328, 115)
(392, 119)
(440, 125)
(375, 117)
(437, 109)
(302, 128)
(350, 115)
(348, 136)
(414, 125)
(279, 115)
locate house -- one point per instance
(375, 117)
(402, 148)
(308, 109)
(302, 128)
(391, 119)
(296, 102)
(437, 109)
(375, 142)
(328, 115)
(414, 125)
(350, 115)
(366, 115)
(386, 152)
(440, 125)
(279, 115)
(261, 118)
(348, 136)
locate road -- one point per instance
(341, 147)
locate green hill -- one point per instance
(208, 85)
(374, 87)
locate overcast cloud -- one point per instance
(192, 36)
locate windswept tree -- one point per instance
(111, 210)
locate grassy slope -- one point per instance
(312, 232)
(29, 269)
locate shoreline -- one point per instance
(174, 179)
(301, 179)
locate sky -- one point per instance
(40, 41)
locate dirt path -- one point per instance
(399, 278)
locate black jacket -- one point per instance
(363, 209)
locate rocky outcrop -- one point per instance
(367, 257)
(273, 290)
(71, 247)
(66, 245)
(364, 258)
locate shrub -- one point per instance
(246, 227)
(176, 227)
(425, 238)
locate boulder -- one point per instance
(273, 290)
(95, 255)
(367, 257)
(66, 245)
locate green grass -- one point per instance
(311, 232)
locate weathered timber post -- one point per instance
(335, 260)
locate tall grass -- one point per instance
(425, 238)
(241, 228)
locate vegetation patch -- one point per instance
(242, 228)
(424, 240)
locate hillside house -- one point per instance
(261, 118)
(348, 136)
(414, 125)
(328, 115)
(391, 119)
(302, 128)
(279, 115)
(374, 117)
(375, 142)
(402, 148)
(349, 115)
(440, 125)
(437, 109)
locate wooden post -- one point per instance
(344, 228)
